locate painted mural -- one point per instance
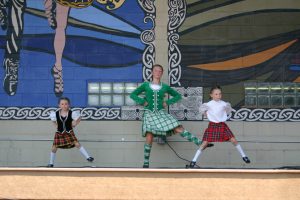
(52, 48)
(228, 42)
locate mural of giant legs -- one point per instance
(57, 14)
(11, 19)
(57, 17)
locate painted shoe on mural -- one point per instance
(58, 81)
(10, 82)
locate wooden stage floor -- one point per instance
(133, 183)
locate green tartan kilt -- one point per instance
(159, 123)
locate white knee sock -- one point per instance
(198, 152)
(52, 158)
(239, 148)
(84, 152)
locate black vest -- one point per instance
(64, 124)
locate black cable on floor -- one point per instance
(180, 157)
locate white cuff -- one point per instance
(228, 108)
(53, 116)
(75, 115)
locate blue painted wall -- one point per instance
(102, 45)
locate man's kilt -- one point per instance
(65, 140)
(75, 3)
(217, 132)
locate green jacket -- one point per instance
(154, 98)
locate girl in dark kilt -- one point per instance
(156, 121)
(65, 120)
(216, 111)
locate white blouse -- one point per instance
(217, 111)
(75, 115)
(155, 86)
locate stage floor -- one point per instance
(138, 183)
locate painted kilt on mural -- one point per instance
(75, 3)
(111, 4)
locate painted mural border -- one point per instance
(43, 113)
(115, 113)
(177, 13)
(266, 115)
(148, 37)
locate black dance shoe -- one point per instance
(191, 165)
(246, 159)
(145, 166)
(90, 159)
(210, 145)
(50, 165)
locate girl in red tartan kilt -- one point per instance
(65, 120)
(217, 112)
